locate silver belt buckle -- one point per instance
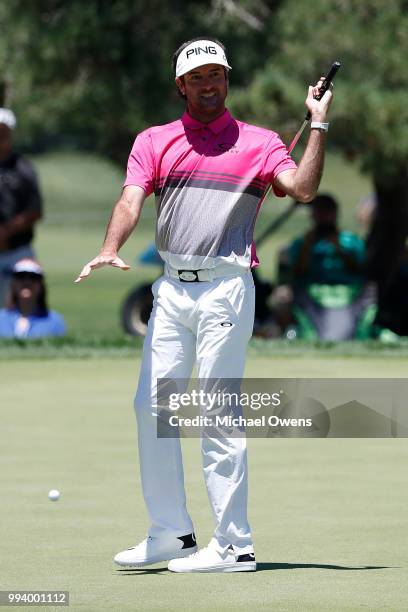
(188, 276)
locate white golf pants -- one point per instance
(184, 328)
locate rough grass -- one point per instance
(77, 346)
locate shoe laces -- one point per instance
(198, 552)
(142, 543)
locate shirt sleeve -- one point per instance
(353, 244)
(276, 160)
(294, 251)
(6, 324)
(57, 325)
(141, 166)
(31, 187)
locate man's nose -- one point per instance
(206, 83)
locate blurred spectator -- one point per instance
(26, 314)
(20, 202)
(325, 254)
(325, 269)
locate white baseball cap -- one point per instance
(28, 265)
(8, 118)
(199, 53)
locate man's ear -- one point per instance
(180, 85)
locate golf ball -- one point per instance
(54, 495)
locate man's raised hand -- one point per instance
(318, 108)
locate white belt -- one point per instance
(204, 275)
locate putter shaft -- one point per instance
(326, 84)
(298, 135)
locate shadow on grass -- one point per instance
(141, 571)
(265, 567)
(262, 567)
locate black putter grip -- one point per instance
(326, 84)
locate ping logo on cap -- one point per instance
(198, 50)
(199, 53)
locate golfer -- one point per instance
(209, 173)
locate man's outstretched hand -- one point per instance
(103, 259)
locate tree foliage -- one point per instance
(100, 71)
(370, 112)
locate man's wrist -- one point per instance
(319, 125)
(319, 117)
(108, 252)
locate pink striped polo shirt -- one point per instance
(209, 181)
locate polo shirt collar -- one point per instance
(215, 126)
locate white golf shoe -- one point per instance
(209, 559)
(154, 550)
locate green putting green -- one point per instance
(328, 516)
